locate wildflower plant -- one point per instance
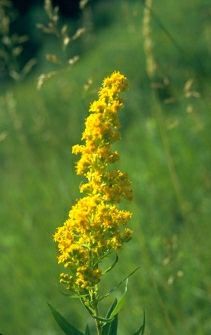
(96, 227)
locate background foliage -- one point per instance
(165, 148)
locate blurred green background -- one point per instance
(165, 148)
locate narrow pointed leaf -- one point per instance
(120, 303)
(112, 265)
(87, 331)
(113, 325)
(67, 328)
(107, 325)
(119, 284)
(111, 308)
(140, 331)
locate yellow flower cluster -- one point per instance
(96, 226)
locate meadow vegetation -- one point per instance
(165, 149)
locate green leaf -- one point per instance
(120, 303)
(119, 284)
(87, 331)
(112, 265)
(113, 325)
(110, 328)
(140, 331)
(67, 328)
(107, 325)
(111, 308)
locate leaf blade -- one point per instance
(67, 328)
(113, 326)
(120, 303)
(141, 330)
(106, 327)
(87, 331)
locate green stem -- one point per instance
(98, 326)
(97, 321)
(91, 306)
(96, 312)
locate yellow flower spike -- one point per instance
(96, 226)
